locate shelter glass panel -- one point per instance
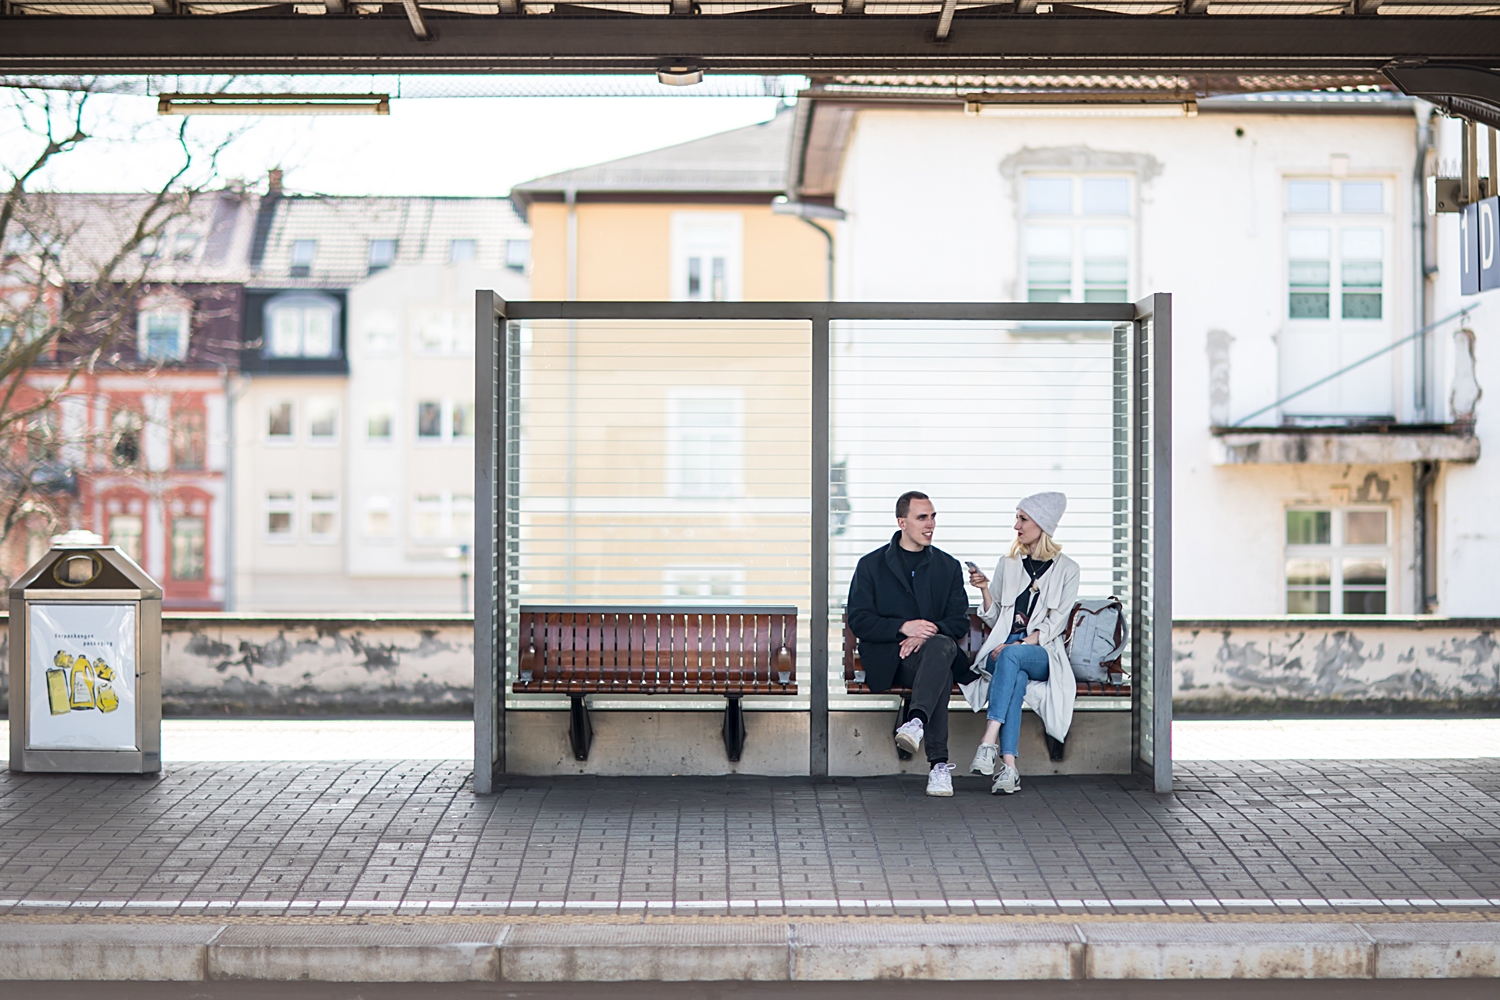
(660, 462)
(977, 415)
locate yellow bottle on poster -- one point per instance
(105, 695)
(82, 683)
(57, 690)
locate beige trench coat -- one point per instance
(1052, 699)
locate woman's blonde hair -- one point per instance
(1041, 550)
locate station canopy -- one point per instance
(1445, 50)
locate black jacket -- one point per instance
(882, 598)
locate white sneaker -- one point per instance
(1007, 781)
(984, 759)
(940, 780)
(909, 736)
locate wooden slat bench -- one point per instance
(854, 675)
(704, 650)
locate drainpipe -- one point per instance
(1424, 270)
(570, 196)
(1424, 473)
(231, 527)
(807, 212)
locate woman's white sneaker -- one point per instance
(984, 759)
(940, 779)
(909, 736)
(1007, 781)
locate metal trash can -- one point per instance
(85, 662)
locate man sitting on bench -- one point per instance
(908, 608)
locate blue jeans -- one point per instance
(1011, 667)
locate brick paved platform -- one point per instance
(362, 840)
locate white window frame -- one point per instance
(139, 555)
(381, 408)
(454, 512)
(280, 440)
(167, 307)
(322, 502)
(279, 502)
(1077, 223)
(302, 303)
(452, 340)
(375, 506)
(323, 440)
(1336, 551)
(1336, 221)
(733, 447)
(294, 254)
(706, 235)
(517, 254)
(447, 408)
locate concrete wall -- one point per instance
(423, 665)
(250, 665)
(1330, 665)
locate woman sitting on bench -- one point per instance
(1024, 655)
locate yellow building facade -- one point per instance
(668, 462)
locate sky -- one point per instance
(426, 146)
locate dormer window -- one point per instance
(382, 255)
(303, 252)
(162, 330)
(301, 325)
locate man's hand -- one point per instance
(911, 645)
(919, 628)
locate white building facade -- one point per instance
(1291, 234)
(354, 413)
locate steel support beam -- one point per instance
(818, 46)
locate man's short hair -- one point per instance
(903, 502)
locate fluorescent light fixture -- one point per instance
(273, 104)
(1027, 106)
(681, 75)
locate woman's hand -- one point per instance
(978, 579)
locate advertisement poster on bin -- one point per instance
(82, 677)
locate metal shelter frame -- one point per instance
(1143, 461)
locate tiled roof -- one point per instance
(745, 160)
(207, 240)
(343, 227)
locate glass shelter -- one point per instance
(704, 476)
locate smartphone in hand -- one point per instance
(972, 567)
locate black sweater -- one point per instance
(883, 597)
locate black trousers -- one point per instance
(929, 674)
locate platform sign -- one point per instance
(82, 677)
(1468, 250)
(1488, 227)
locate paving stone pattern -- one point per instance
(366, 835)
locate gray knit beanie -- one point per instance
(1046, 509)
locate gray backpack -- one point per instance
(1095, 640)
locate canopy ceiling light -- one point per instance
(1076, 105)
(680, 75)
(273, 104)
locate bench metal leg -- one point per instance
(734, 729)
(901, 718)
(580, 730)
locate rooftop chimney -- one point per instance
(273, 184)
